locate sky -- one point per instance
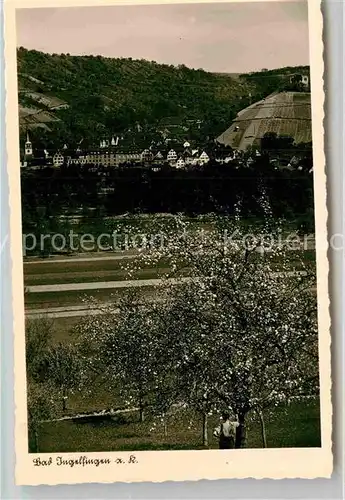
(223, 37)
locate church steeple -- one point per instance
(28, 145)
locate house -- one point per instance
(58, 159)
(305, 80)
(146, 156)
(204, 158)
(159, 156)
(78, 160)
(172, 156)
(180, 163)
(301, 79)
(250, 161)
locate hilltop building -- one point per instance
(302, 80)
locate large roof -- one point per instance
(285, 113)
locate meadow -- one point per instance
(295, 426)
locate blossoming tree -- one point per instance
(243, 324)
(233, 324)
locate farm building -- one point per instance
(285, 113)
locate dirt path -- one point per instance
(64, 287)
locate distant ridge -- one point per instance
(66, 99)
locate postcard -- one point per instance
(169, 240)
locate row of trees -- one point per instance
(212, 188)
(239, 333)
(265, 82)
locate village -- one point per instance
(282, 114)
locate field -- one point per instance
(295, 426)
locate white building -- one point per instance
(172, 156)
(108, 158)
(305, 80)
(80, 160)
(146, 155)
(228, 159)
(203, 158)
(28, 146)
(180, 163)
(58, 159)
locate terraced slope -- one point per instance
(284, 113)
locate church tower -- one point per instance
(28, 146)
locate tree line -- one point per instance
(94, 193)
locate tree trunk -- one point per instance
(263, 429)
(240, 441)
(141, 410)
(36, 440)
(165, 426)
(64, 401)
(204, 430)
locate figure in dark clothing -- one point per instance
(226, 432)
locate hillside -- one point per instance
(68, 99)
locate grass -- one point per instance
(295, 426)
(110, 270)
(45, 300)
(71, 267)
(91, 277)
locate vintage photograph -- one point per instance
(168, 227)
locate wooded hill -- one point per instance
(68, 99)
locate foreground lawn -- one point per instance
(297, 425)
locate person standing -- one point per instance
(226, 432)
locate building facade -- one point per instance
(58, 159)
